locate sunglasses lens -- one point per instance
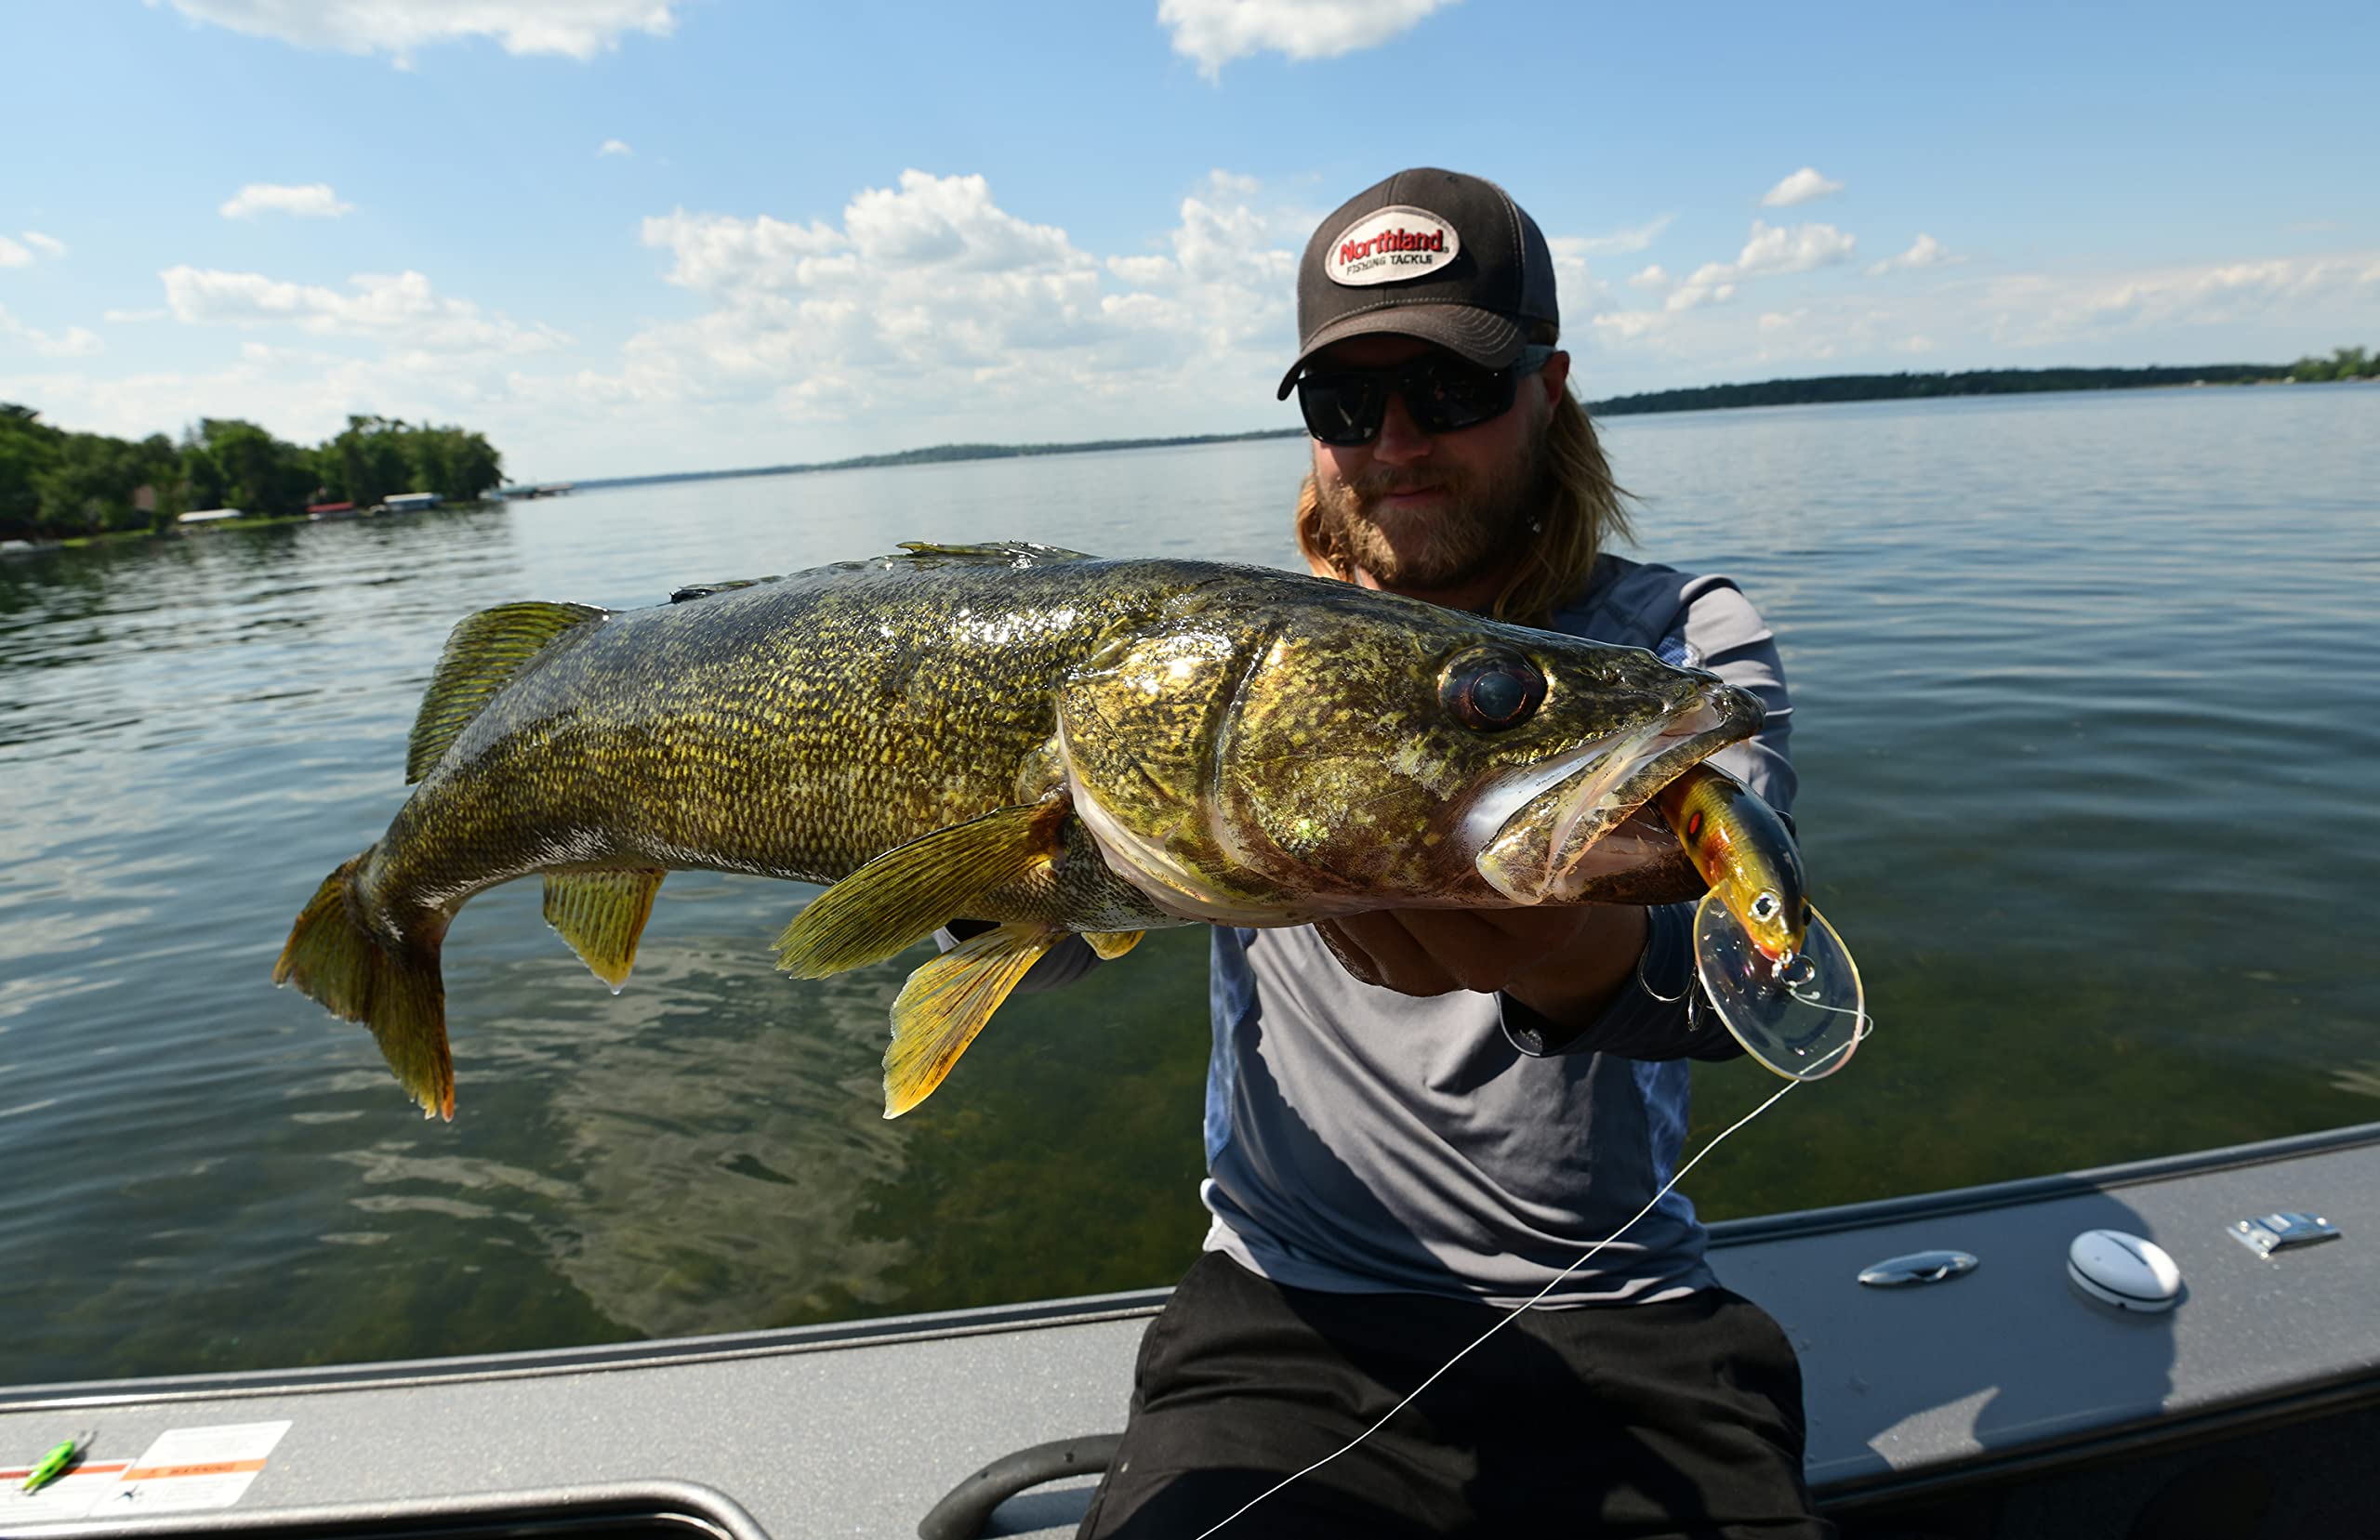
(1342, 409)
(1448, 394)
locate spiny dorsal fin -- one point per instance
(945, 1004)
(602, 913)
(897, 899)
(484, 653)
(996, 553)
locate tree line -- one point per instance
(2344, 364)
(57, 484)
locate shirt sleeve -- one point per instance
(1661, 1012)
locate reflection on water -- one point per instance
(2086, 694)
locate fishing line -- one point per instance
(1867, 1025)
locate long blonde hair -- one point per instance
(1584, 511)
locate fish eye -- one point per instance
(1489, 692)
(1766, 907)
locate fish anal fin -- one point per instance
(1111, 944)
(484, 652)
(602, 913)
(902, 896)
(945, 1004)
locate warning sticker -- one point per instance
(188, 1469)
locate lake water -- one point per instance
(2087, 708)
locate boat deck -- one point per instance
(2004, 1382)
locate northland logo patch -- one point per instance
(1390, 244)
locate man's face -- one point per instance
(1436, 511)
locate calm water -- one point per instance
(2087, 694)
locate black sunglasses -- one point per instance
(1343, 407)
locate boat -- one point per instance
(2000, 1397)
(408, 502)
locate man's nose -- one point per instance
(1401, 438)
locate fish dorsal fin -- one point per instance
(996, 553)
(945, 1004)
(704, 591)
(900, 897)
(484, 655)
(602, 913)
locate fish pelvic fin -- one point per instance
(1111, 944)
(338, 962)
(484, 652)
(946, 1003)
(900, 897)
(602, 913)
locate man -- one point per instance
(1416, 1120)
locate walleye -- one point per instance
(1009, 733)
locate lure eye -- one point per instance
(1490, 691)
(1766, 907)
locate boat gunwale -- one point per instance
(1125, 1304)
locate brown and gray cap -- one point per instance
(1428, 254)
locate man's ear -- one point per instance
(1556, 373)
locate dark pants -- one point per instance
(1674, 1419)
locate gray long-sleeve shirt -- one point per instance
(1359, 1139)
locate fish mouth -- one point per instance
(1549, 835)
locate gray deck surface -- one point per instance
(814, 1438)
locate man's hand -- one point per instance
(1564, 962)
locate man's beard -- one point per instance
(1484, 523)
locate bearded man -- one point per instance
(1417, 1121)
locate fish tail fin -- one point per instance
(945, 1004)
(337, 961)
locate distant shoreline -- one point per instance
(1818, 391)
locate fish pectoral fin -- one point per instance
(602, 913)
(897, 899)
(945, 1004)
(1111, 944)
(484, 652)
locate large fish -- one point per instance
(1010, 733)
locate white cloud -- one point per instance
(2035, 311)
(1799, 187)
(1925, 252)
(315, 199)
(1772, 250)
(577, 29)
(134, 316)
(1618, 243)
(14, 256)
(1654, 277)
(615, 147)
(399, 309)
(926, 311)
(75, 342)
(1216, 32)
(48, 245)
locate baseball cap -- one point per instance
(1429, 254)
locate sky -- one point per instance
(625, 237)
